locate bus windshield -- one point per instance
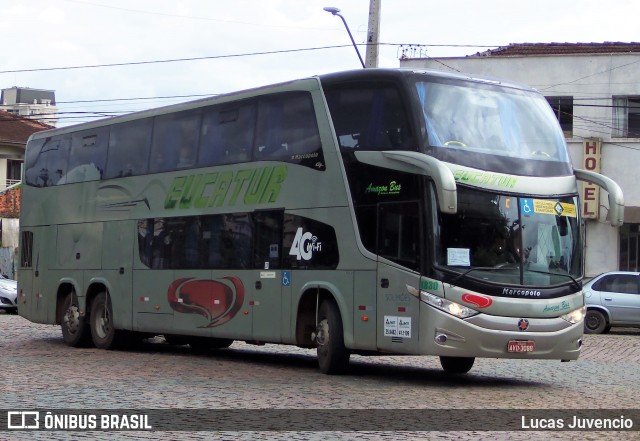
(484, 119)
(513, 240)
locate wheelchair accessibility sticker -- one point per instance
(530, 206)
(526, 206)
(286, 278)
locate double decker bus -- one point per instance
(378, 211)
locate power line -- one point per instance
(592, 75)
(174, 60)
(214, 57)
(138, 98)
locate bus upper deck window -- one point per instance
(129, 149)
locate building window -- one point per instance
(629, 247)
(14, 171)
(563, 108)
(626, 117)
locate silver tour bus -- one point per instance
(378, 211)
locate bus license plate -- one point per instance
(520, 346)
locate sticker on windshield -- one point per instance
(458, 257)
(530, 206)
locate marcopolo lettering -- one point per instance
(521, 292)
(250, 186)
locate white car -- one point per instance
(8, 295)
(612, 299)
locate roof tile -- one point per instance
(14, 128)
(533, 49)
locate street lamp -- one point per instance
(336, 11)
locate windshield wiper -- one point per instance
(505, 267)
(548, 273)
(500, 267)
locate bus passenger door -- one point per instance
(265, 293)
(398, 272)
(31, 274)
(265, 300)
(117, 268)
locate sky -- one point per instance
(228, 45)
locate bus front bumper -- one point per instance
(486, 336)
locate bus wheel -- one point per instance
(75, 332)
(594, 322)
(457, 365)
(333, 357)
(101, 322)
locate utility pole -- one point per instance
(371, 59)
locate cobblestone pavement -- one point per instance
(40, 372)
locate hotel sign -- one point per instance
(590, 191)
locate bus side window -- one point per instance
(288, 131)
(267, 239)
(88, 155)
(227, 239)
(50, 165)
(227, 134)
(175, 139)
(128, 149)
(398, 230)
(370, 117)
(26, 249)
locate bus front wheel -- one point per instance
(74, 329)
(457, 365)
(103, 332)
(333, 357)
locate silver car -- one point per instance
(612, 299)
(8, 294)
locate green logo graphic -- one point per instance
(557, 308)
(485, 178)
(251, 186)
(392, 188)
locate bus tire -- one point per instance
(333, 357)
(457, 365)
(75, 331)
(103, 333)
(594, 322)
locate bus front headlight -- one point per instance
(447, 306)
(576, 315)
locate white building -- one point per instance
(594, 88)
(30, 103)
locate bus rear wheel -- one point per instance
(333, 357)
(457, 365)
(103, 332)
(75, 331)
